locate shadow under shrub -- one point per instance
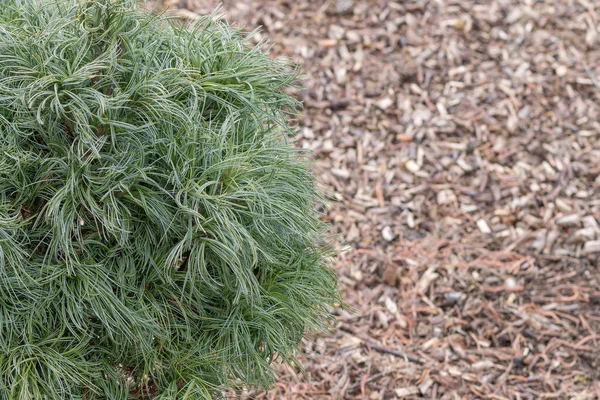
(158, 237)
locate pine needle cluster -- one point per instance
(158, 234)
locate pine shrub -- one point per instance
(158, 231)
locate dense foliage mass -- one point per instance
(158, 237)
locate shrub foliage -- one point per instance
(158, 234)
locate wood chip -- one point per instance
(571, 219)
(425, 385)
(483, 226)
(412, 166)
(593, 246)
(446, 197)
(385, 103)
(387, 234)
(407, 391)
(428, 276)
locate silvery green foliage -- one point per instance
(158, 237)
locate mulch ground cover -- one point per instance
(459, 144)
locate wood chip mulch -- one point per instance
(460, 143)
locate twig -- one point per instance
(397, 353)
